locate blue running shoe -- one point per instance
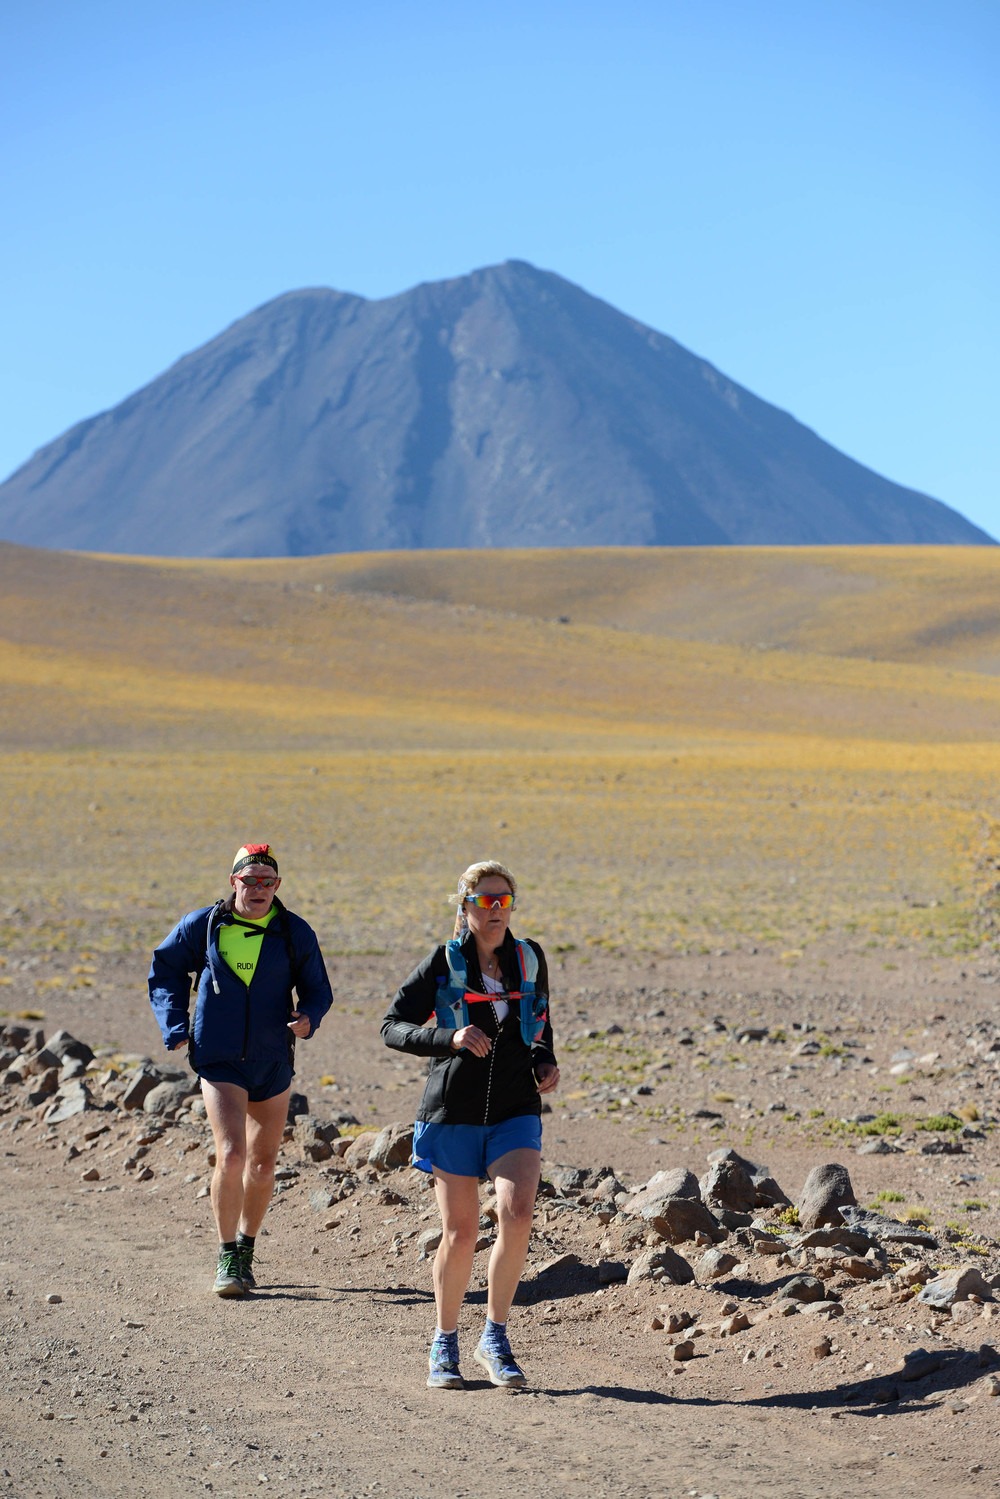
(496, 1358)
(443, 1364)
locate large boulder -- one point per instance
(715, 1263)
(956, 1285)
(168, 1097)
(566, 1179)
(392, 1147)
(72, 1098)
(886, 1230)
(138, 1085)
(661, 1264)
(728, 1185)
(675, 1219)
(356, 1153)
(677, 1182)
(315, 1137)
(802, 1288)
(826, 1190)
(64, 1045)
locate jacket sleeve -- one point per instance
(179, 955)
(405, 1027)
(312, 984)
(542, 1050)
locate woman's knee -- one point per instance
(515, 1209)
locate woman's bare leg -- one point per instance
(515, 1177)
(458, 1202)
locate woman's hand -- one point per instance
(300, 1025)
(546, 1077)
(179, 1045)
(471, 1038)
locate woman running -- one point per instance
(478, 1007)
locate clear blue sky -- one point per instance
(803, 192)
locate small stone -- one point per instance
(822, 1348)
(681, 1352)
(90, 1175)
(53, 1299)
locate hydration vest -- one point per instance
(452, 1007)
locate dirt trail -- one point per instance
(139, 1380)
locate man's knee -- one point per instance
(261, 1167)
(230, 1156)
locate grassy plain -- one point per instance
(675, 749)
(738, 786)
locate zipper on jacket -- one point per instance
(246, 1025)
(493, 1052)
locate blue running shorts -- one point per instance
(259, 1080)
(471, 1149)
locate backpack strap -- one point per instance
(452, 1010)
(206, 962)
(534, 1007)
(450, 1007)
(286, 932)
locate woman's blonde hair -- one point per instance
(468, 881)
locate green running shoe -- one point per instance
(229, 1274)
(496, 1358)
(443, 1364)
(245, 1254)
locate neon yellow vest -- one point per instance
(239, 945)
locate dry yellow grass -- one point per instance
(656, 776)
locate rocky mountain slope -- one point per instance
(504, 408)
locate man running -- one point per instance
(247, 954)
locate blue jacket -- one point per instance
(233, 1021)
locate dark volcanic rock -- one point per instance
(503, 408)
(728, 1185)
(826, 1190)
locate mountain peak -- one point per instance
(507, 407)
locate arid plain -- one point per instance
(752, 799)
